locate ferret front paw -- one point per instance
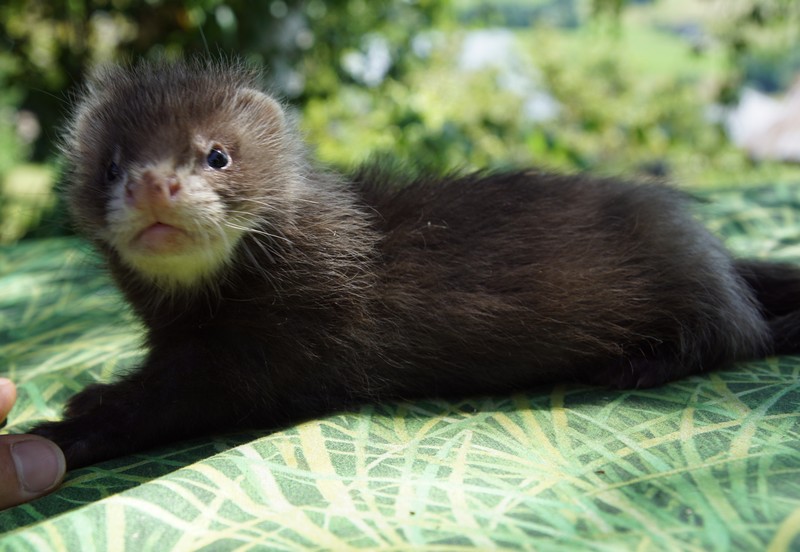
(72, 437)
(93, 429)
(87, 400)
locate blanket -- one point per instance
(711, 462)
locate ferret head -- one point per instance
(172, 163)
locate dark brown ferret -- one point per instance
(272, 290)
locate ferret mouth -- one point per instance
(162, 238)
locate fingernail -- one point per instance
(40, 464)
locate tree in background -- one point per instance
(46, 48)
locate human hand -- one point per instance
(30, 466)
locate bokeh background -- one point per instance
(703, 93)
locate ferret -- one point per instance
(274, 290)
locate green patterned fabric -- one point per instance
(711, 462)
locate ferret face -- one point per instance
(172, 165)
(164, 216)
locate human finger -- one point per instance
(30, 467)
(8, 396)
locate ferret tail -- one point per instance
(777, 289)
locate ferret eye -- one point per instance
(112, 172)
(217, 159)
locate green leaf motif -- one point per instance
(711, 462)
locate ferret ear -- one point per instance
(258, 106)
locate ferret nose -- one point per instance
(152, 189)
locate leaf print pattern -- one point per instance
(711, 462)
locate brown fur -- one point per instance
(383, 285)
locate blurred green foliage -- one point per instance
(617, 88)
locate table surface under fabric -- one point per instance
(711, 462)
